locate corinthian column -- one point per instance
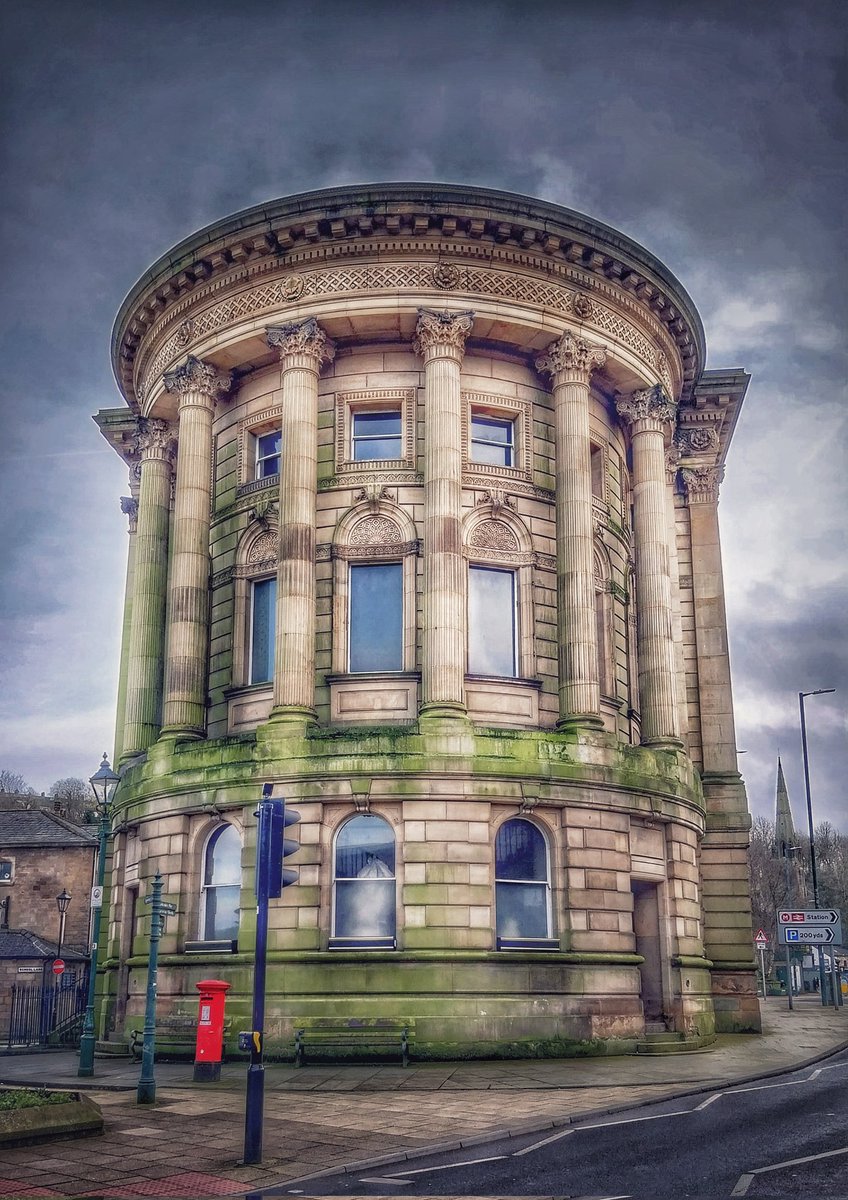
(198, 385)
(648, 412)
(570, 361)
(440, 340)
(718, 734)
(303, 347)
(146, 643)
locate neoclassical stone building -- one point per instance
(423, 530)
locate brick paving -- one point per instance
(188, 1144)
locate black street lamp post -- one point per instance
(813, 872)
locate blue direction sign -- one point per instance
(812, 927)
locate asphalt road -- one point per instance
(778, 1138)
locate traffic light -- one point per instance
(273, 846)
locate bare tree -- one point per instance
(13, 783)
(72, 799)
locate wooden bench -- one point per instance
(381, 1035)
(175, 1036)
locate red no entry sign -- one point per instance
(58, 966)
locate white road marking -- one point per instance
(745, 1181)
(709, 1100)
(742, 1185)
(555, 1137)
(468, 1162)
(386, 1179)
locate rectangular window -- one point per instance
(267, 454)
(376, 435)
(262, 627)
(492, 622)
(492, 441)
(376, 617)
(5, 870)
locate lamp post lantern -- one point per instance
(103, 783)
(62, 902)
(813, 873)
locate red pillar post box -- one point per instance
(210, 1029)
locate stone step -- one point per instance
(111, 1050)
(673, 1043)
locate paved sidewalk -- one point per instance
(188, 1144)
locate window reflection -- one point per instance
(521, 881)
(376, 617)
(376, 435)
(491, 622)
(262, 627)
(364, 878)
(221, 884)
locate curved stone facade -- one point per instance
(423, 531)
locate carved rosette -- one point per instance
(571, 359)
(702, 484)
(196, 378)
(649, 408)
(154, 439)
(695, 440)
(265, 550)
(302, 339)
(437, 332)
(129, 507)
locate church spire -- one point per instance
(784, 828)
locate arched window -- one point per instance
(522, 887)
(219, 901)
(364, 884)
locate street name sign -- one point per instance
(813, 927)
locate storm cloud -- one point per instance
(714, 134)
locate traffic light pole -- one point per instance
(255, 1100)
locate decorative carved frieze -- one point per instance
(435, 329)
(195, 377)
(305, 338)
(266, 549)
(371, 550)
(571, 357)
(702, 484)
(648, 404)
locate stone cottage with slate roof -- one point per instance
(41, 854)
(423, 512)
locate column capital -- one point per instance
(648, 409)
(197, 378)
(301, 339)
(437, 332)
(129, 507)
(701, 484)
(571, 359)
(154, 439)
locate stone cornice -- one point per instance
(455, 221)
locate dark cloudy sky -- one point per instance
(713, 133)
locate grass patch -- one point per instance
(14, 1098)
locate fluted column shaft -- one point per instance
(718, 731)
(198, 385)
(129, 506)
(146, 644)
(303, 346)
(649, 412)
(440, 340)
(570, 361)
